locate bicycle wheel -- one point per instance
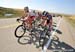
(24, 40)
(20, 31)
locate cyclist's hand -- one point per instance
(18, 20)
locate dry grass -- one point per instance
(71, 20)
(73, 17)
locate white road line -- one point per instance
(53, 33)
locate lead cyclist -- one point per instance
(28, 16)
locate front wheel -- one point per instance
(20, 31)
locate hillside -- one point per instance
(19, 12)
(15, 12)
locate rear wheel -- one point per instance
(20, 31)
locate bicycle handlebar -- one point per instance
(18, 20)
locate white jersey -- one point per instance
(32, 14)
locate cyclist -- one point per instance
(28, 16)
(47, 21)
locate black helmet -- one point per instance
(44, 13)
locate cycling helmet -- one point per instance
(45, 13)
(26, 9)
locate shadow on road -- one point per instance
(54, 26)
(55, 45)
(24, 40)
(58, 31)
(58, 46)
(28, 40)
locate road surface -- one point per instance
(9, 43)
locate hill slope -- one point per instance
(15, 12)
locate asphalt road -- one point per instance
(9, 43)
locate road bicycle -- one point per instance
(21, 29)
(39, 32)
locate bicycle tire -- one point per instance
(16, 35)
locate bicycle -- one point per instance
(36, 30)
(20, 29)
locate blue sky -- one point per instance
(55, 6)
